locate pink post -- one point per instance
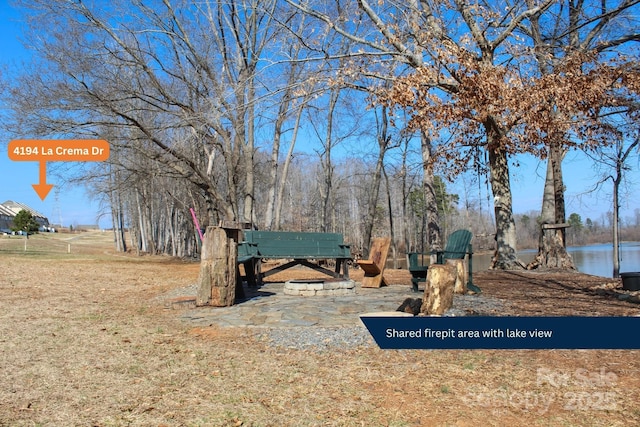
(196, 223)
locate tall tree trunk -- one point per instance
(150, 224)
(621, 156)
(171, 241)
(285, 170)
(117, 209)
(617, 161)
(273, 168)
(405, 198)
(552, 251)
(505, 257)
(326, 188)
(283, 113)
(143, 239)
(557, 155)
(434, 240)
(118, 221)
(394, 247)
(616, 232)
(372, 203)
(249, 187)
(374, 191)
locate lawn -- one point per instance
(87, 341)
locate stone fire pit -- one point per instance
(320, 287)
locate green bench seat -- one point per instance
(299, 247)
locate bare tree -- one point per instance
(284, 174)
(326, 187)
(477, 86)
(176, 83)
(187, 71)
(462, 65)
(566, 28)
(278, 130)
(383, 138)
(616, 159)
(378, 45)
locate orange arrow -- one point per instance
(43, 188)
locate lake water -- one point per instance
(598, 259)
(592, 259)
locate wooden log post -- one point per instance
(438, 292)
(217, 280)
(462, 275)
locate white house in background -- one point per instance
(8, 211)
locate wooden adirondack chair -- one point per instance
(374, 266)
(458, 245)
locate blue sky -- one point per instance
(75, 207)
(71, 204)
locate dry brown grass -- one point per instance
(86, 342)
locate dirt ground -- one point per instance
(85, 341)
